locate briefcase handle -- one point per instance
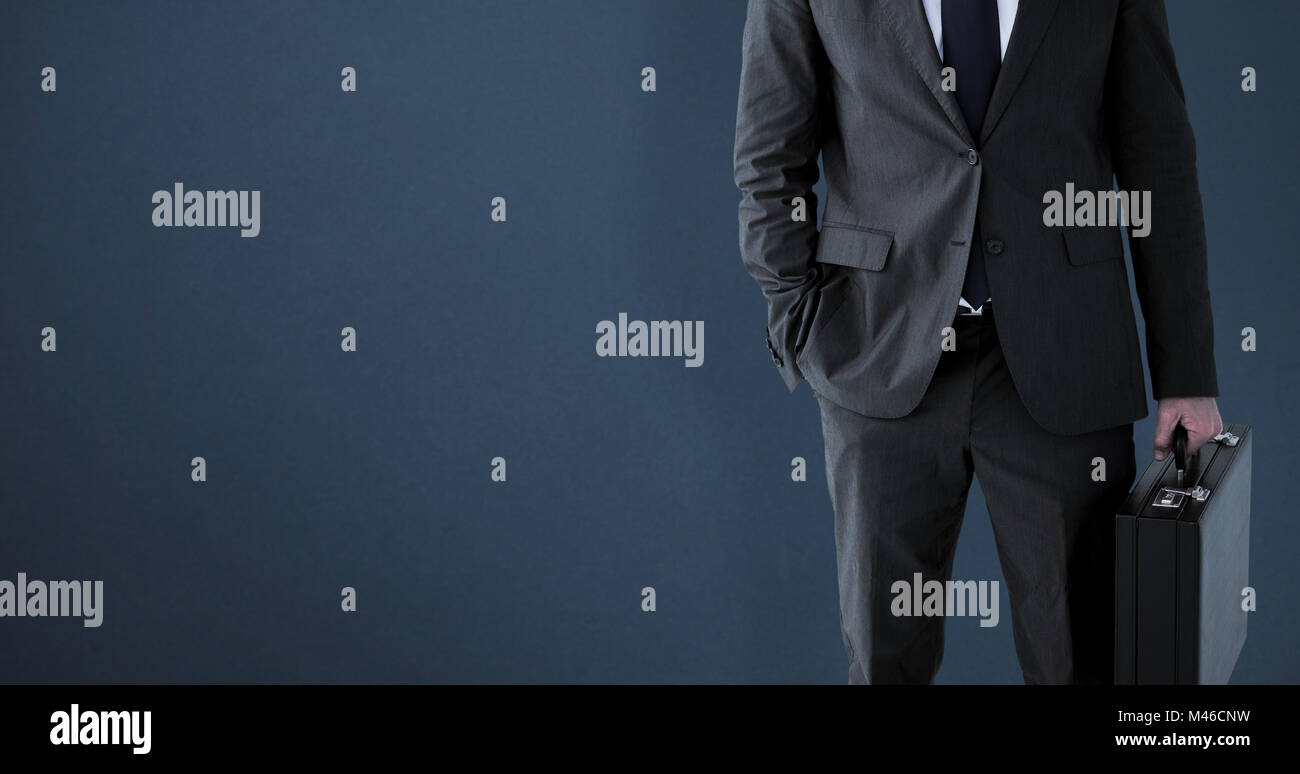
(1180, 452)
(1172, 497)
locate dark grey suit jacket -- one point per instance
(1088, 93)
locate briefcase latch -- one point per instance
(1229, 439)
(1169, 497)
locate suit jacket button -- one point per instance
(993, 247)
(972, 157)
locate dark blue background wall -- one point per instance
(476, 339)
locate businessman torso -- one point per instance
(1087, 91)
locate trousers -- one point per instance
(899, 490)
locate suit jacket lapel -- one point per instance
(907, 17)
(1032, 19)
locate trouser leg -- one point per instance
(899, 488)
(1053, 519)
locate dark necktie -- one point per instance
(972, 46)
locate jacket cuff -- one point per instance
(786, 365)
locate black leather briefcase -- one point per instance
(1181, 558)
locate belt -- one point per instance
(967, 317)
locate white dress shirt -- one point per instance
(1006, 19)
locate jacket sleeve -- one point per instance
(1154, 150)
(777, 144)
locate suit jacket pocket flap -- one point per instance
(856, 246)
(1093, 244)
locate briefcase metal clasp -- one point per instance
(1169, 497)
(1226, 438)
